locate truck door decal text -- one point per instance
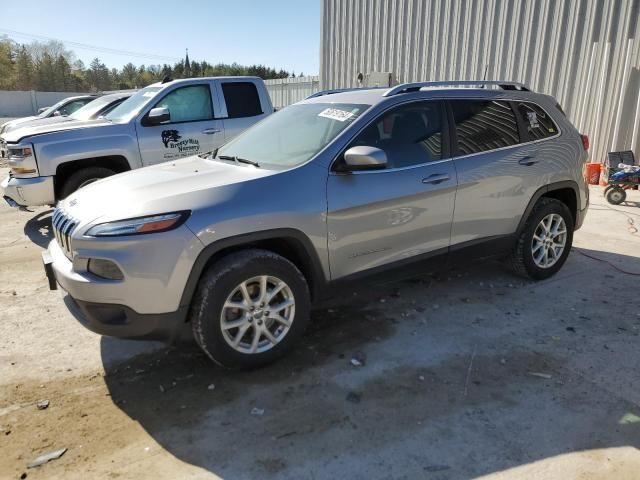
(179, 146)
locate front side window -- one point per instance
(188, 104)
(293, 135)
(409, 135)
(483, 125)
(537, 122)
(242, 99)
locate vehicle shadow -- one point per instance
(447, 389)
(38, 228)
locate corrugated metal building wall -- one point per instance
(584, 52)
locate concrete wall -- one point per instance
(584, 52)
(22, 104)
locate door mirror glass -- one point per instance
(364, 158)
(158, 115)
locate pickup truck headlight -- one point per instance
(140, 225)
(21, 160)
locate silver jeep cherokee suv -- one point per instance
(232, 247)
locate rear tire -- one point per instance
(616, 196)
(540, 254)
(82, 178)
(236, 302)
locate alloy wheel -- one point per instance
(549, 240)
(257, 314)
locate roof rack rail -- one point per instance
(415, 86)
(321, 93)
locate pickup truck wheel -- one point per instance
(249, 309)
(83, 178)
(545, 241)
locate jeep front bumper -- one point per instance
(28, 191)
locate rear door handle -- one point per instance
(527, 161)
(436, 178)
(210, 131)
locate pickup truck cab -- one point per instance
(159, 123)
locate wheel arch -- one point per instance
(117, 163)
(567, 192)
(290, 243)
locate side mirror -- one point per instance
(364, 158)
(158, 115)
(57, 113)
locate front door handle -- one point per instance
(527, 161)
(210, 131)
(436, 178)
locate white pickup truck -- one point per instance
(162, 122)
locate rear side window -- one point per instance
(242, 99)
(537, 123)
(483, 125)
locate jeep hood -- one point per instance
(19, 134)
(185, 184)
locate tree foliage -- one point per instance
(49, 66)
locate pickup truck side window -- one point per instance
(483, 125)
(242, 99)
(188, 104)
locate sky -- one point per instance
(277, 33)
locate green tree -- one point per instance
(45, 73)
(6, 64)
(61, 75)
(24, 70)
(98, 76)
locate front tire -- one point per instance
(250, 308)
(82, 178)
(545, 241)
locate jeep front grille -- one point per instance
(63, 226)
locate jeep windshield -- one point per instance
(293, 135)
(132, 105)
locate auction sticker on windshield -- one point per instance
(336, 114)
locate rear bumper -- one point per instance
(28, 191)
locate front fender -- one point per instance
(50, 155)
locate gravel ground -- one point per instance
(469, 373)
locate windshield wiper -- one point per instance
(239, 160)
(209, 154)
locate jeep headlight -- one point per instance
(140, 225)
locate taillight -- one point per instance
(585, 141)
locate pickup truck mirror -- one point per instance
(364, 158)
(158, 115)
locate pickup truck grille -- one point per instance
(63, 226)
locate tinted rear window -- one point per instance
(537, 122)
(484, 125)
(242, 99)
